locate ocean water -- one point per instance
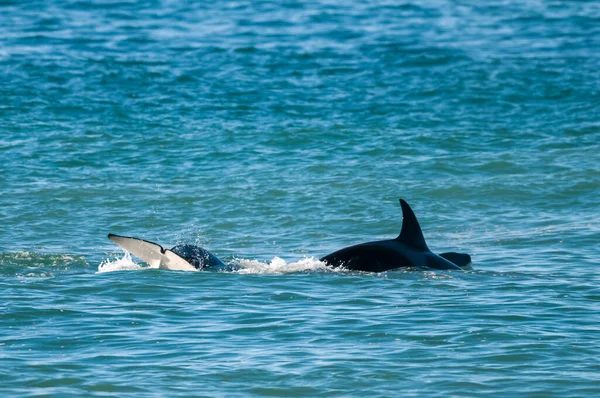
(273, 133)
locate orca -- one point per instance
(407, 250)
(180, 258)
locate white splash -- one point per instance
(241, 266)
(120, 264)
(278, 266)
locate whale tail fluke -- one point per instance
(152, 253)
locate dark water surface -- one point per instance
(273, 134)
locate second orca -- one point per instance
(407, 250)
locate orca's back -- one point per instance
(200, 258)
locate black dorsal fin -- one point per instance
(411, 230)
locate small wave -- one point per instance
(35, 259)
(278, 266)
(26, 264)
(124, 263)
(36, 275)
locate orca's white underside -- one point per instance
(152, 253)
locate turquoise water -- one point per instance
(273, 134)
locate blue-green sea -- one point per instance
(272, 134)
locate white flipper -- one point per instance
(152, 253)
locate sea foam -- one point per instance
(124, 263)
